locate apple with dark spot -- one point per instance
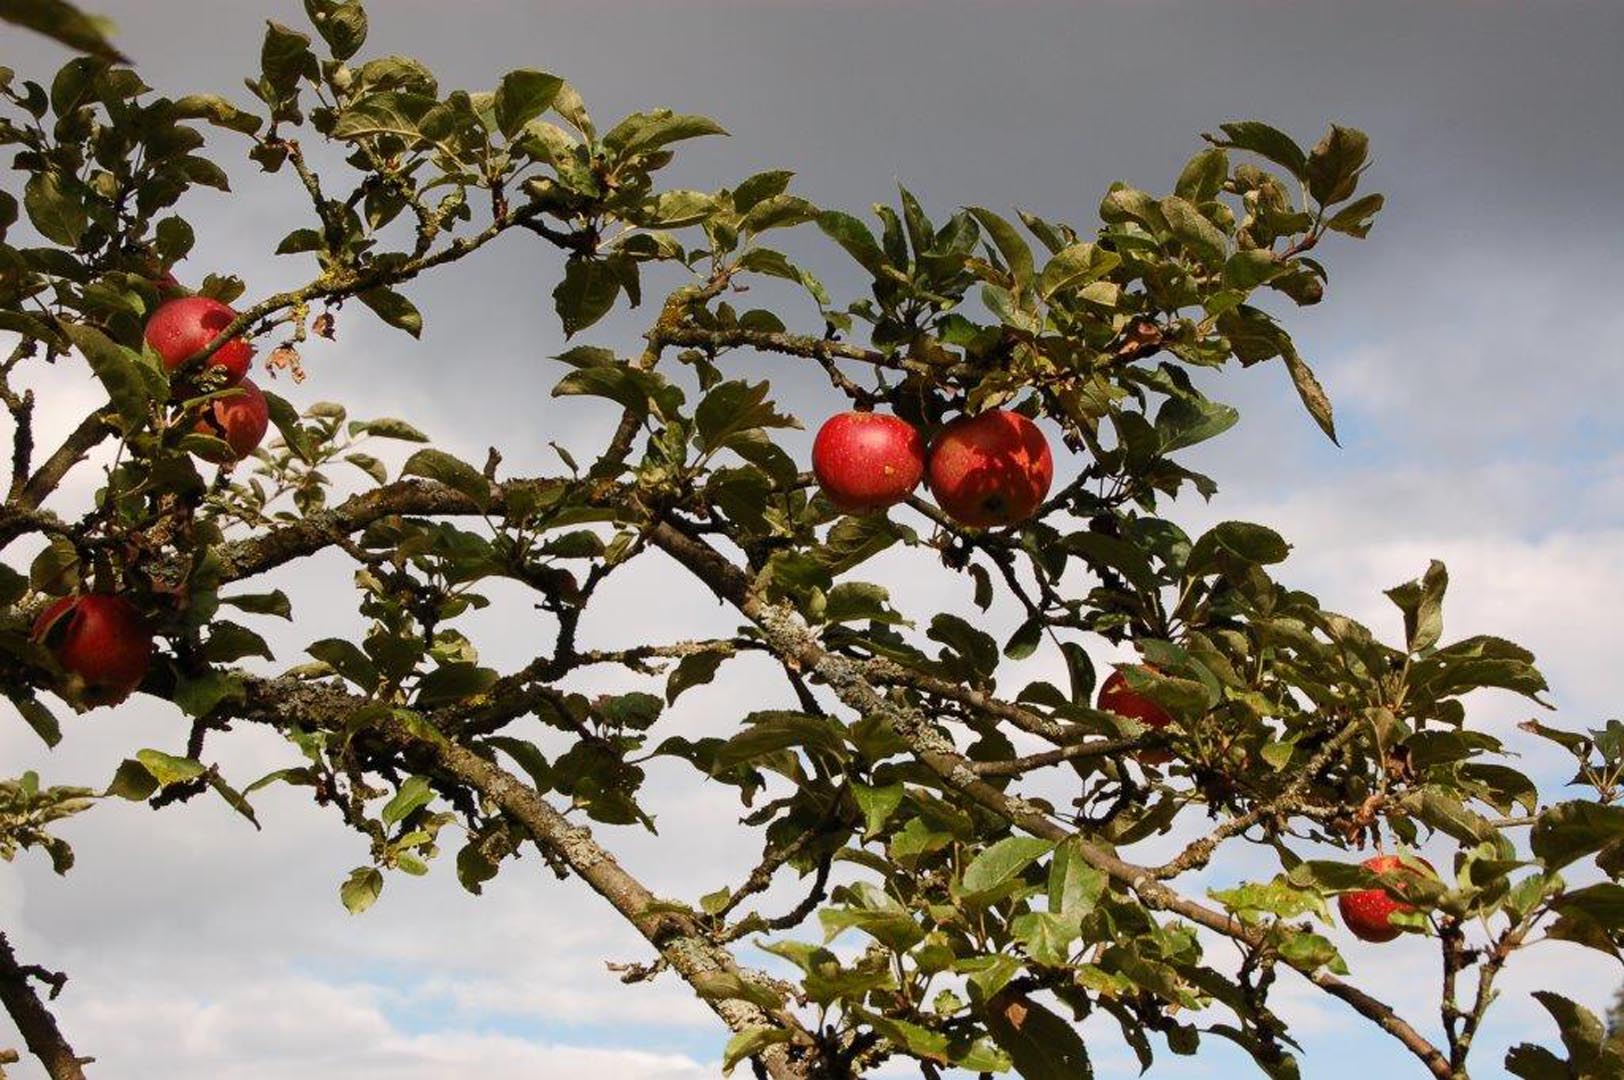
(990, 469)
(100, 641)
(182, 327)
(240, 418)
(867, 461)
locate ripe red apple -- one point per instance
(993, 468)
(240, 418)
(1118, 697)
(181, 327)
(101, 641)
(867, 461)
(1368, 912)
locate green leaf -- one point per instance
(778, 212)
(990, 974)
(586, 294)
(1076, 266)
(1047, 937)
(1310, 952)
(1025, 640)
(1335, 162)
(1278, 897)
(394, 309)
(636, 390)
(39, 718)
(731, 986)
(233, 798)
(388, 427)
(347, 659)
(1002, 861)
(695, 669)
(1017, 255)
(1312, 393)
(1331, 877)
(116, 367)
(168, 769)
(217, 111)
(13, 586)
(451, 471)
(390, 112)
(640, 133)
(1268, 142)
(201, 695)
(1184, 421)
(1241, 539)
(767, 733)
(298, 777)
(1075, 887)
(854, 236)
(1422, 605)
(1040, 1044)
(369, 465)
(1582, 1033)
(56, 570)
(474, 868)
(528, 757)
(59, 216)
(675, 209)
(748, 1043)
(361, 889)
(1532, 1062)
(1355, 219)
(877, 804)
(635, 710)
(63, 22)
(522, 96)
(874, 913)
(1248, 269)
(1203, 176)
(271, 603)
(343, 25)
(286, 419)
(975, 645)
(132, 781)
(413, 795)
(735, 406)
(229, 642)
(1191, 228)
(1080, 672)
(453, 683)
(285, 57)
(1569, 831)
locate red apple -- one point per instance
(182, 327)
(867, 461)
(1118, 697)
(993, 468)
(102, 642)
(1368, 912)
(241, 418)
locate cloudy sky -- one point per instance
(1472, 347)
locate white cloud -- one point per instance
(272, 1027)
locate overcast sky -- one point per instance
(1472, 347)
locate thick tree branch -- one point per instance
(38, 1027)
(681, 942)
(785, 632)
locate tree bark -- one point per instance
(44, 1039)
